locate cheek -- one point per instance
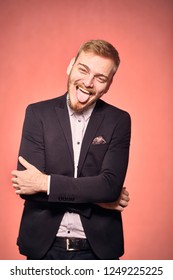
(100, 89)
(75, 76)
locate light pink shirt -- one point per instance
(71, 225)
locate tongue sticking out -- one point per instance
(82, 96)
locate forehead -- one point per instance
(96, 63)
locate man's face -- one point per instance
(89, 78)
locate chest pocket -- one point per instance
(94, 159)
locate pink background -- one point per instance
(38, 39)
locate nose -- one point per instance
(89, 81)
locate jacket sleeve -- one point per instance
(32, 147)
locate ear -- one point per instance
(70, 65)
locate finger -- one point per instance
(14, 173)
(18, 191)
(16, 187)
(123, 203)
(25, 163)
(14, 180)
(15, 184)
(124, 191)
(120, 208)
(125, 197)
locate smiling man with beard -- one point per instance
(72, 165)
(90, 76)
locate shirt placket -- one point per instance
(79, 126)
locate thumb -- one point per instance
(25, 163)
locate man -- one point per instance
(73, 161)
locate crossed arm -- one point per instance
(31, 181)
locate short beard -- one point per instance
(78, 107)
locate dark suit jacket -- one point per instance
(47, 143)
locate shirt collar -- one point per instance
(86, 113)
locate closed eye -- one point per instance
(101, 79)
(83, 70)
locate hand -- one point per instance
(119, 204)
(29, 181)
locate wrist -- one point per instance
(44, 183)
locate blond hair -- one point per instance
(101, 48)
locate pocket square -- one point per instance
(99, 140)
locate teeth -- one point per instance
(84, 90)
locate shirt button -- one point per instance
(78, 143)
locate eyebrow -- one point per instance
(88, 69)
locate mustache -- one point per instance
(90, 90)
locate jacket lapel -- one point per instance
(93, 125)
(63, 117)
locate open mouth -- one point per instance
(83, 95)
